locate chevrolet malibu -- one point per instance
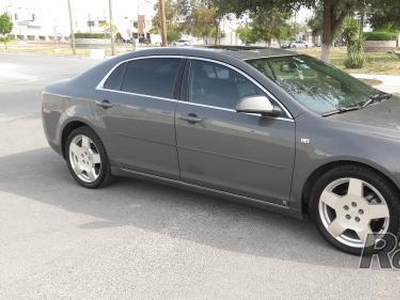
(267, 127)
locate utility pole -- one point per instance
(111, 27)
(163, 24)
(71, 25)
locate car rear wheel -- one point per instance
(355, 207)
(87, 159)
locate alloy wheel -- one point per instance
(350, 209)
(84, 158)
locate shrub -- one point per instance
(30, 37)
(354, 60)
(381, 36)
(91, 35)
(42, 37)
(20, 36)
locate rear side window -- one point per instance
(114, 81)
(153, 76)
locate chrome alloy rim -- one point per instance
(84, 158)
(350, 209)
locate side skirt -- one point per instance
(209, 191)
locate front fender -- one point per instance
(320, 143)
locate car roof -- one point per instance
(238, 52)
(251, 52)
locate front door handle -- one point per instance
(191, 118)
(104, 104)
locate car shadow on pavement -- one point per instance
(41, 175)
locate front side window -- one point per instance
(152, 76)
(217, 85)
(318, 86)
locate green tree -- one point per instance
(334, 13)
(350, 32)
(247, 35)
(200, 18)
(174, 30)
(266, 26)
(355, 43)
(203, 22)
(6, 26)
(384, 13)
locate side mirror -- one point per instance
(258, 105)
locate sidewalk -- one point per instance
(390, 84)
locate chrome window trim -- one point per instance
(232, 110)
(288, 117)
(139, 95)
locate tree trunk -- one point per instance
(326, 52)
(333, 19)
(164, 39)
(327, 35)
(216, 31)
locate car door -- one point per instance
(137, 106)
(222, 149)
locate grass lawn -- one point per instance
(376, 63)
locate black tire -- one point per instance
(369, 176)
(104, 170)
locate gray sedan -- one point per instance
(271, 128)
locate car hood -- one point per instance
(382, 118)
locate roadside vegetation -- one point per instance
(6, 26)
(375, 63)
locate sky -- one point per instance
(52, 15)
(81, 8)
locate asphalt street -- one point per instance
(139, 240)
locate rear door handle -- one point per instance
(104, 104)
(191, 118)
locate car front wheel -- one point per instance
(354, 208)
(87, 159)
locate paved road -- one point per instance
(138, 240)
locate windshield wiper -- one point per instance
(341, 110)
(373, 99)
(376, 98)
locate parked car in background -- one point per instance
(301, 44)
(145, 41)
(182, 42)
(267, 127)
(285, 45)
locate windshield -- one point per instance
(319, 86)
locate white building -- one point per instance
(51, 18)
